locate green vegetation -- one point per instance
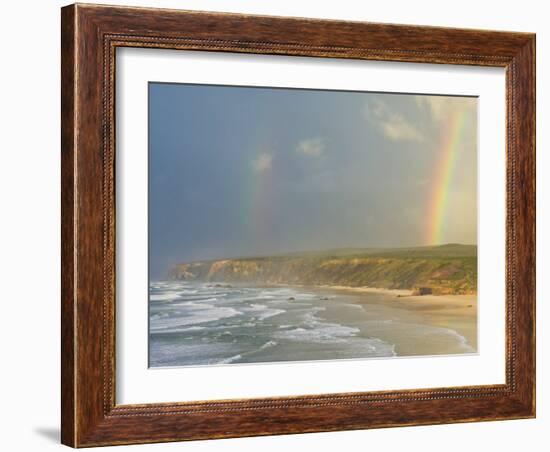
(445, 269)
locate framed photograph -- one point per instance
(281, 225)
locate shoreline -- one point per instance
(451, 312)
(416, 325)
(360, 289)
(310, 323)
(396, 292)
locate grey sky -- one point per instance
(236, 171)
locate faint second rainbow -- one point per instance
(438, 203)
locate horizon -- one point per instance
(250, 171)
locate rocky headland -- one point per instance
(446, 269)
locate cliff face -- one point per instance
(454, 274)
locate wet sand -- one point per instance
(422, 325)
(457, 312)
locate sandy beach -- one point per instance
(396, 292)
(453, 313)
(457, 312)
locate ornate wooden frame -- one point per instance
(90, 35)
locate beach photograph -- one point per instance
(292, 225)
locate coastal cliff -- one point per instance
(445, 269)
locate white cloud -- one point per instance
(436, 104)
(441, 107)
(397, 128)
(314, 147)
(394, 125)
(262, 162)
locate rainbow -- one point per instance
(257, 214)
(438, 202)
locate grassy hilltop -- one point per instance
(444, 269)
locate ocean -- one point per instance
(208, 323)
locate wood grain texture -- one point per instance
(68, 147)
(90, 36)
